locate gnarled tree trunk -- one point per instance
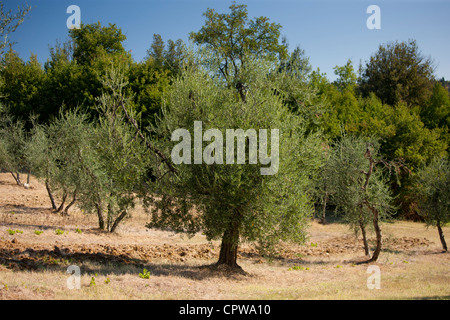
(377, 228)
(101, 219)
(50, 195)
(229, 246)
(441, 235)
(364, 236)
(117, 221)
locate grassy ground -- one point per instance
(34, 266)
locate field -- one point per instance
(34, 259)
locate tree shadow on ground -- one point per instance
(22, 209)
(105, 264)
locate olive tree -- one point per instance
(260, 195)
(53, 152)
(433, 188)
(360, 187)
(13, 137)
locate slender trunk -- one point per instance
(50, 195)
(109, 217)
(28, 177)
(117, 221)
(16, 178)
(364, 236)
(324, 209)
(377, 228)
(229, 247)
(61, 207)
(74, 199)
(441, 236)
(101, 220)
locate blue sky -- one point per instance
(330, 32)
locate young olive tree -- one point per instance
(257, 196)
(360, 187)
(13, 137)
(114, 167)
(433, 188)
(53, 152)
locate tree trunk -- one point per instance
(377, 228)
(16, 178)
(364, 236)
(325, 199)
(117, 221)
(101, 220)
(229, 247)
(63, 201)
(74, 199)
(441, 235)
(50, 195)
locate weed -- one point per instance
(145, 274)
(59, 231)
(78, 230)
(107, 281)
(297, 268)
(313, 244)
(92, 283)
(12, 232)
(38, 232)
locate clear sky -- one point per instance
(330, 32)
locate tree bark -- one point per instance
(441, 235)
(325, 199)
(63, 201)
(50, 195)
(229, 246)
(101, 219)
(16, 178)
(377, 228)
(364, 236)
(117, 221)
(74, 199)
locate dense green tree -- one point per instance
(168, 57)
(64, 85)
(235, 39)
(95, 48)
(148, 83)
(21, 85)
(398, 72)
(93, 40)
(436, 112)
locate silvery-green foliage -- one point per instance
(433, 189)
(346, 176)
(204, 197)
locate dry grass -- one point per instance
(411, 264)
